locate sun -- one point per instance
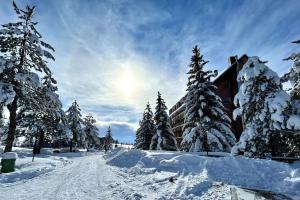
(127, 84)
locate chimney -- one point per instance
(232, 60)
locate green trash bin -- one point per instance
(8, 162)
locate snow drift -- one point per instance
(26, 169)
(204, 171)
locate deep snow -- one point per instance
(135, 174)
(196, 175)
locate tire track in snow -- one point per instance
(85, 178)
(83, 182)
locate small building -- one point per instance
(227, 85)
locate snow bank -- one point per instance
(239, 171)
(9, 155)
(126, 158)
(26, 169)
(294, 122)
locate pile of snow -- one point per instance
(197, 173)
(294, 122)
(127, 158)
(26, 169)
(9, 155)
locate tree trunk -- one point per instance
(34, 146)
(39, 144)
(12, 124)
(71, 145)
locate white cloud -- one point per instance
(113, 56)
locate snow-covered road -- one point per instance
(134, 175)
(89, 177)
(85, 178)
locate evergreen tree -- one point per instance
(138, 135)
(206, 124)
(262, 104)
(21, 52)
(91, 131)
(75, 121)
(108, 140)
(164, 138)
(146, 130)
(46, 121)
(1, 118)
(293, 123)
(2, 124)
(294, 77)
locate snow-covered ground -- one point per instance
(134, 174)
(198, 177)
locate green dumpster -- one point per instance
(8, 162)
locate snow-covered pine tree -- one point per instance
(138, 135)
(206, 124)
(293, 123)
(261, 102)
(75, 121)
(108, 140)
(45, 121)
(2, 124)
(146, 130)
(294, 77)
(164, 138)
(21, 52)
(1, 117)
(91, 132)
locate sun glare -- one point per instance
(127, 84)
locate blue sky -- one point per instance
(113, 56)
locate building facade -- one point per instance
(227, 87)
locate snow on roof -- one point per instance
(220, 75)
(227, 69)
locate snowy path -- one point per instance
(86, 178)
(89, 178)
(135, 175)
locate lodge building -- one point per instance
(227, 85)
